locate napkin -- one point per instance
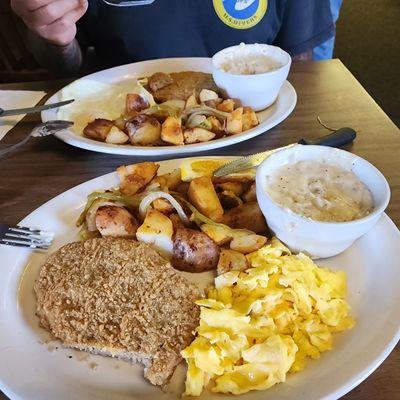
(10, 99)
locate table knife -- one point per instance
(30, 110)
(337, 138)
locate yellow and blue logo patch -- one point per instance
(240, 14)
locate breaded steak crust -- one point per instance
(118, 297)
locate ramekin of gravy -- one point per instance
(319, 200)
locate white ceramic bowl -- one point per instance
(315, 238)
(258, 91)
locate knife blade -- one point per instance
(30, 110)
(335, 139)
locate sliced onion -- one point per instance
(91, 213)
(146, 202)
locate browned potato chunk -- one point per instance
(231, 260)
(120, 122)
(143, 130)
(216, 233)
(116, 136)
(135, 102)
(197, 135)
(191, 102)
(98, 129)
(216, 125)
(194, 251)
(234, 187)
(115, 221)
(171, 131)
(169, 181)
(249, 118)
(204, 197)
(229, 199)
(250, 194)
(248, 243)
(246, 216)
(227, 105)
(136, 176)
(163, 205)
(159, 80)
(234, 124)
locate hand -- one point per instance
(53, 20)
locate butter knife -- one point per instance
(337, 138)
(30, 110)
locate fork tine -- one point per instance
(22, 229)
(32, 238)
(33, 233)
(24, 243)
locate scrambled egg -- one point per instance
(260, 324)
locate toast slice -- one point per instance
(118, 297)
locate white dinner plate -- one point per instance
(269, 118)
(32, 368)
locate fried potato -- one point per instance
(157, 231)
(246, 216)
(143, 130)
(216, 125)
(159, 80)
(171, 131)
(235, 187)
(98, 129)
(197, 135)
(135, 102)
(231, 260)
(115, 221)
(120, 122)
(250, 194)
(249, 118)
(227, 105)
(216, 233)
(136, 176)
(191, 102)
(204, 197)
(234, 122)
(116, 136)
(194, 251)
(229, 199)
(212, 103)
(169, 181)
(163, 205)
(248, 243)
(206, 95)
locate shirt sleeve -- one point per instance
(305, 24)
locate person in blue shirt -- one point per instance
(63, 30)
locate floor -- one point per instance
(368, 43)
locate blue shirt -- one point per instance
(200, 28)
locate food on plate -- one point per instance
(186, 215)
(163, 110)
(120, 298)
(320, 191)
(231, 260)
(260, 323)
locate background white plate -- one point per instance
(269, 118)
(29, 370)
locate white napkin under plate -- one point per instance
(10, 99)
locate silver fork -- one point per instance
(44, 129)
(21, 236)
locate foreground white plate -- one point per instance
(30, 370)
(269, 118)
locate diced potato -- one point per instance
(143, 130)
(163, 205)
(98, 129)
(234, 187)
(197, 135)
(204, 197)
(116, 136)
(216, 125)
(248, 243)
(206, 94)
(250, 194)
(246, 216)
(169, 181)
(171, 131)
(249, 118)
(216, 233)
(115, 221)
(135, 102)
(227, 105)
(191, 102)
(229, 199)
(234, 122)
(120, 122)
(231, 260)
(157, 231)
(136, 176)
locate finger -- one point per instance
(24, 7)
(51, 12)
